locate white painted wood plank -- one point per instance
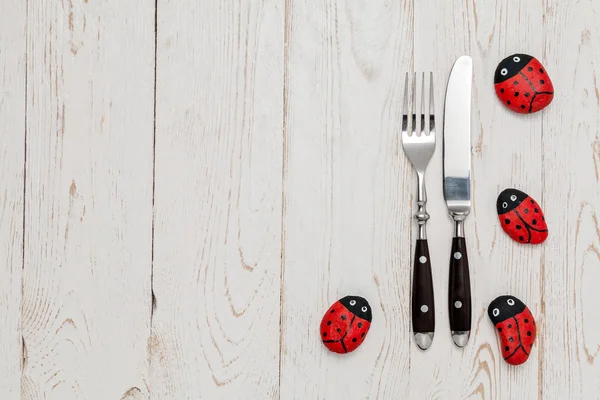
(12, 162)
(570, 335)
(88, 227)
(506, 150)
(347, 213)
(218, 200)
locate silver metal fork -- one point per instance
(419, 149)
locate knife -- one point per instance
(457, 192)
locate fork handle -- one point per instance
(423, 306)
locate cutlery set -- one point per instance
(523, 85)
(419, 149)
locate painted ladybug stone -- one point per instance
(345, 325)
(521, 217)
(522, 84)
(515, 326)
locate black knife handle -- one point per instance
(459, 293)
(423, 306)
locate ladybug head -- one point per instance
(504, 307)
(508, 200)
(357, 306)
(511, 66)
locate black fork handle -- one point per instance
(423, 305)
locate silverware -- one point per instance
(419, 149)
(457, 192)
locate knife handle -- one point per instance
(459, 293)
(423, 306)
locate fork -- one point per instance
(419, 149)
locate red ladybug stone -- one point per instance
(521, 217)
(345, 325)
(515, 326)
(522, 84)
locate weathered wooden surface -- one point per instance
(12, 164)
(88, 200)
(219, 149)
(187, 186)
(569, 366)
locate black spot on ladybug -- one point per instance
(528, 333)
(509, 326)
(541, 71)
(526, 94)
(543, 218)
(360, 324)
(523, 106)
(507, 221)
(521, 238)
(501, 90)
(362, 334)
(516, 82)
(507, 348)
(529, 69)
(343, 317)
(328, 322)
(499, 329)
(542, 82)
(354, 340)
(516, 94)
(339, 330)
(534, 222)
(324, 334)
(510, 339)
(532, 201)
(332, 311)
(526, 211)
(508, 102)
(518, 227)
(535, 210)
(526, 321)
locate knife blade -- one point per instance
(457, 192)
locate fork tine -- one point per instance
(413, 107)
(431, 105)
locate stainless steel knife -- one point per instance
(457, 192)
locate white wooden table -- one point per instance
(188, 185)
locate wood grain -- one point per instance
(88, 220)
(347, 191)
(12, 153)
(217, 259)
(571, 368)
